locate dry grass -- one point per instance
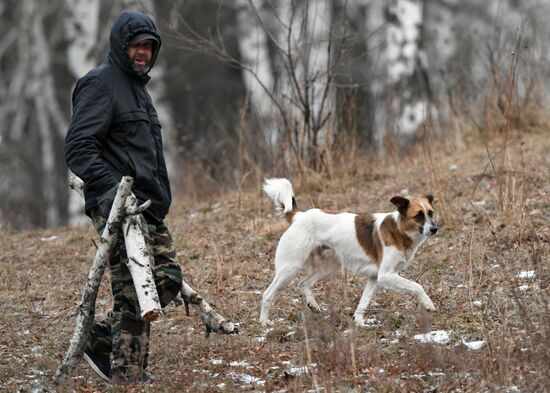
(495, 226)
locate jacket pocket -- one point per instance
(132, 116)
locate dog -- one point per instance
(378, 246)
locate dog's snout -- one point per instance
(433, 230)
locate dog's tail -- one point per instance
(280, 192)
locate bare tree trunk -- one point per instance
(319, 71)
(51, 123)
(376, 69)
(257, 74)
(291, 73)
(306, 73)
(81, 25)
(406, 67)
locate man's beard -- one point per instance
(141, 69)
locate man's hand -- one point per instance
(106, 200)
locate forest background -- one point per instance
(248, 88)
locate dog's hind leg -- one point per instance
(307, 284)
(321, 264)
(282, 278)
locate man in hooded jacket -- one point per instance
(115, 132)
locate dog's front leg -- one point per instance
(368, 294)
(394, 281)
(388, 278)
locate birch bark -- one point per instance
(51, 119)
(405, 59)
(81, 26)
(319, 71)
(257, 74)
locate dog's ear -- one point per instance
(401, 203)
(429, 197)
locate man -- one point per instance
(115, 132)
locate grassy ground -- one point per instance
(487, 272)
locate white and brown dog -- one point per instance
(377, 246)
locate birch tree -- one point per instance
(258, 76)
(306, 72)
(32, 114)
(81, 26)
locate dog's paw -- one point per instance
(429, 306)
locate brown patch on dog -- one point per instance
(393, 235)
(368, 237)
(273, 229)
(290, 215)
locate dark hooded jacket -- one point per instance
(114, 129)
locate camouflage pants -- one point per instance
(124, 334)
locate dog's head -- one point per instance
(417, 214)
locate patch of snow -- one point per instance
(372, 321)
(36, 349)
(437, 337)
(240, 363)
(290, 334)
(524, 287)
(299, 370)
(477, 303)
(526, 274)
(208, 373)
(246, 379)
(495, 266)
(261, 339)
(48, 239)
(216, 361)
(474, 345)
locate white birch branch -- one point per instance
(139, 258)
(139, 261)
(86, 309)
(213, 321)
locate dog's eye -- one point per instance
(419, 216)
(431, 213)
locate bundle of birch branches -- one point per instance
(125, 213)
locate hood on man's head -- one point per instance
(130, 26)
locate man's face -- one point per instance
(140, 55)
